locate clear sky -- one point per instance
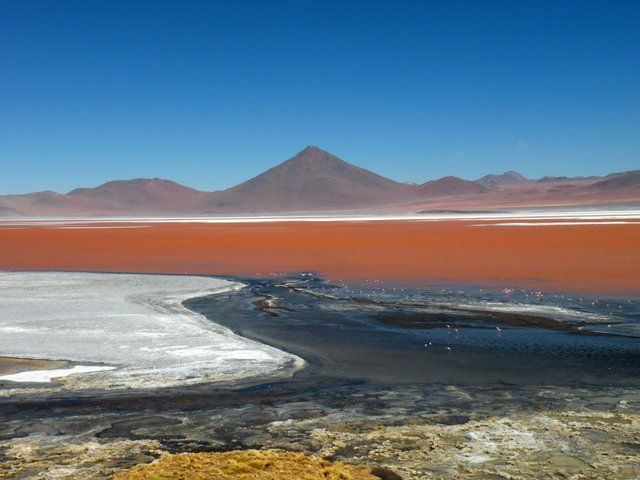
(211, 93)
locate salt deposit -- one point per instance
(135, 324)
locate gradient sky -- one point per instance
(211, 93)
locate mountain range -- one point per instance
(315, 180)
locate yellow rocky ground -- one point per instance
(244, 465)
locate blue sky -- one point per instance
(211, 93)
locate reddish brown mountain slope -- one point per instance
(311, 180)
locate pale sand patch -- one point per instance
(9, 365)
(46, 376)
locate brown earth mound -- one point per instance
(244, 465)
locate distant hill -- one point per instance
(311, 180)
(448, 186)
(140, 194)
(552, 179)
(617, 182)
(506, 178)
(40, 203)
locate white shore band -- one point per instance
(126, 331)
(628, 214)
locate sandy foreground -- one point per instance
(596, 253)
(568, 441)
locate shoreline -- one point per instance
(595, 212)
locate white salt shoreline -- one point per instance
(134, 222)
(131, 328)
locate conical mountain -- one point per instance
(311, 180)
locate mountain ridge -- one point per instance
(316, 180)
